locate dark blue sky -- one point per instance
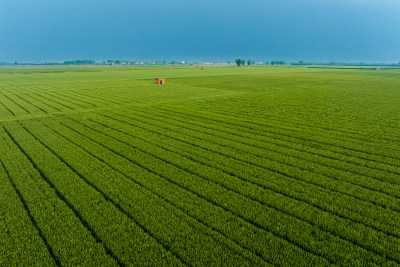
(291, 30)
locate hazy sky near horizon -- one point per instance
(291, 30)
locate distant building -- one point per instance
(159, 81)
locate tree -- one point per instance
(238, 62)
(249, 62)
(243, 62)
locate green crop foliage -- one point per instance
(253, 166)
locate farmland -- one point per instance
(249, 166)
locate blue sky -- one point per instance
(291, 30)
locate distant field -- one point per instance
(229, 166)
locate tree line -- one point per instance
(242, 62)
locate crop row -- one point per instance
(143, 208)
(62, 98)
(50, 97)
(259, 108)
(33, 101)
(391, 228)
(321, 164)
(356, 141)
(254, 108)
(20, 240)
(279, 132)
(48, 211)
(355, 210)
(239, 199)
(110, 229)
(224, 147)
(188, 202)
(328, 143)
(222, 220)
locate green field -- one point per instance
(229, 166)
